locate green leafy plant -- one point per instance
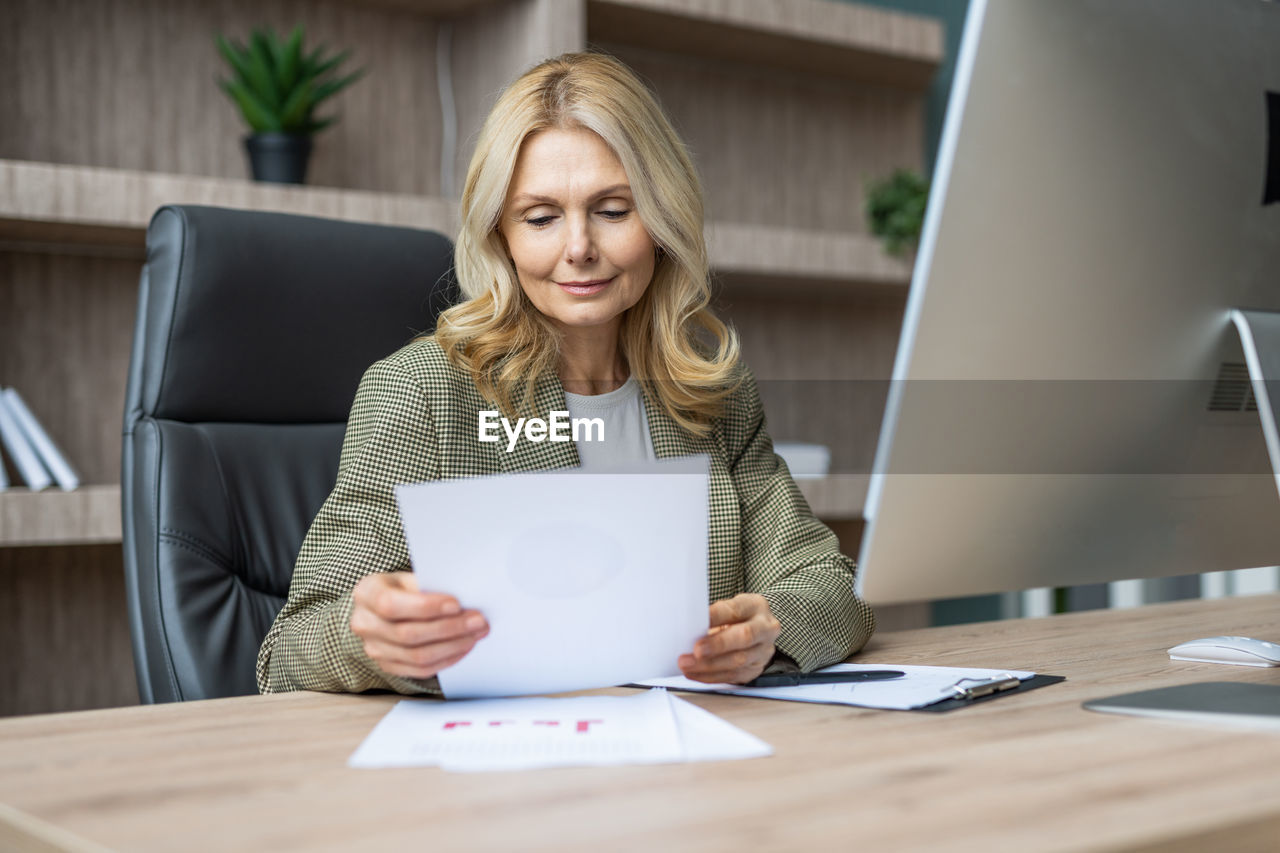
(277, 86)
(895, 209)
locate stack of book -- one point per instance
(36, 459)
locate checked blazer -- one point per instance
(415, 419)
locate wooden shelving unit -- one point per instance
(435, 8)
(748, 253)
(836, 40)
(55, 207)
(789, 108)
(89, 515)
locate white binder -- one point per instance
(24, 456)
(39, 440)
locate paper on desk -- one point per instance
(587, 579)
(919, 687)
(518, 734)
(706, 737)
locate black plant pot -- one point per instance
(278, 158)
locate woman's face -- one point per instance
(581, 253)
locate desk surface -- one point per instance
(1033, 772)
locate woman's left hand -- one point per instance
(739, 645)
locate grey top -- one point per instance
(625, 426)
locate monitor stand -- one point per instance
(1260, 339)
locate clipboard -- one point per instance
(936, 689)
(986, 691)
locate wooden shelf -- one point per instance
(60, 207)
(769, 253)
(87, 515)
(838, 40)
(433, 8)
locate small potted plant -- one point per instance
(895, 210)
(277, 87)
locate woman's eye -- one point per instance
(544, 221)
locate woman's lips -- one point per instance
(585, 288)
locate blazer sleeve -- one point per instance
(789, 556)
(390, 439)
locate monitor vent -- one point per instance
(1233, 392)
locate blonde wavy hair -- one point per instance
(674, 345)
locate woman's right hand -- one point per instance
(410, 633)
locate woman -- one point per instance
(583, 264)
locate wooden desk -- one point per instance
(1028, 772)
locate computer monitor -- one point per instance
(1070, 403)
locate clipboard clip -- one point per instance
(982, 686)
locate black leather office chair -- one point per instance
(253, 331)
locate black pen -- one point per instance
(795, 679)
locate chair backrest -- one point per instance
(253, 330)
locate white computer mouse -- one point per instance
(1242, 651)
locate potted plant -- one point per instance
(277, 87)
(895, 210)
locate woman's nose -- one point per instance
(580, 248)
